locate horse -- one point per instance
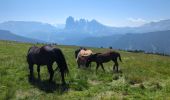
(101, 58)
(82, 57)
(78, 50)
(47, 55)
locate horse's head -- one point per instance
(90, 59)
(88, 62)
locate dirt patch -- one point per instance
(94, 82)
(20, 94)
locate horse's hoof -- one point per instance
(114, 71)
(64, 87)
(39, 79)
(31, 78)
(120, 71)
(50, 81)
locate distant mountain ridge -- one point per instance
(161, 25)
(30, 29)
(93, 33)
(7, 35)
(150, 42)
(95, 28)
(26, 27)
(81, 26)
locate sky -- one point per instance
(117, 13)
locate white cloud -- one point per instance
(136, 21)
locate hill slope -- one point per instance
(7, 35)
(143, 77)
(26, 27)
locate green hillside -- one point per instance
(144, 76)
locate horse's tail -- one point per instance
(61, 61)
(119, 57)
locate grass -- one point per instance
(144, 76)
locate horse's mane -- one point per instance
(61, 61)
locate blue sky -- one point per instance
(108, 12)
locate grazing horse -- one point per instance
(47, 55)
(82, 57)
(101, 58)
(78, 50)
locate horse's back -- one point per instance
(47, 48)
(85, 52)
(106, 56)
(41, 56)
(114, 53)
(33, 49)
(48, 52)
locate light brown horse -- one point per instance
(82, 57)
(101, 58)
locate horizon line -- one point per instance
(77, 19)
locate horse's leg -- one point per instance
(38, 70)
(97, 66)
(78, 63)
(64, 86)
(31, 70)
(116, 64)
(114, 67)
(63, 80)
(102, 66)
(50, 70)
(90, 64)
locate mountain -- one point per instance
(92, 27)
(95, 28)
(150, 42)
(84, 32)
(7, 35)
(25, 28)
(83, 26)
(161, 25)
(103, 41)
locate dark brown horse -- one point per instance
(101, 58)
(47, 55)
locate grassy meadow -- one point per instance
(143, 76)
